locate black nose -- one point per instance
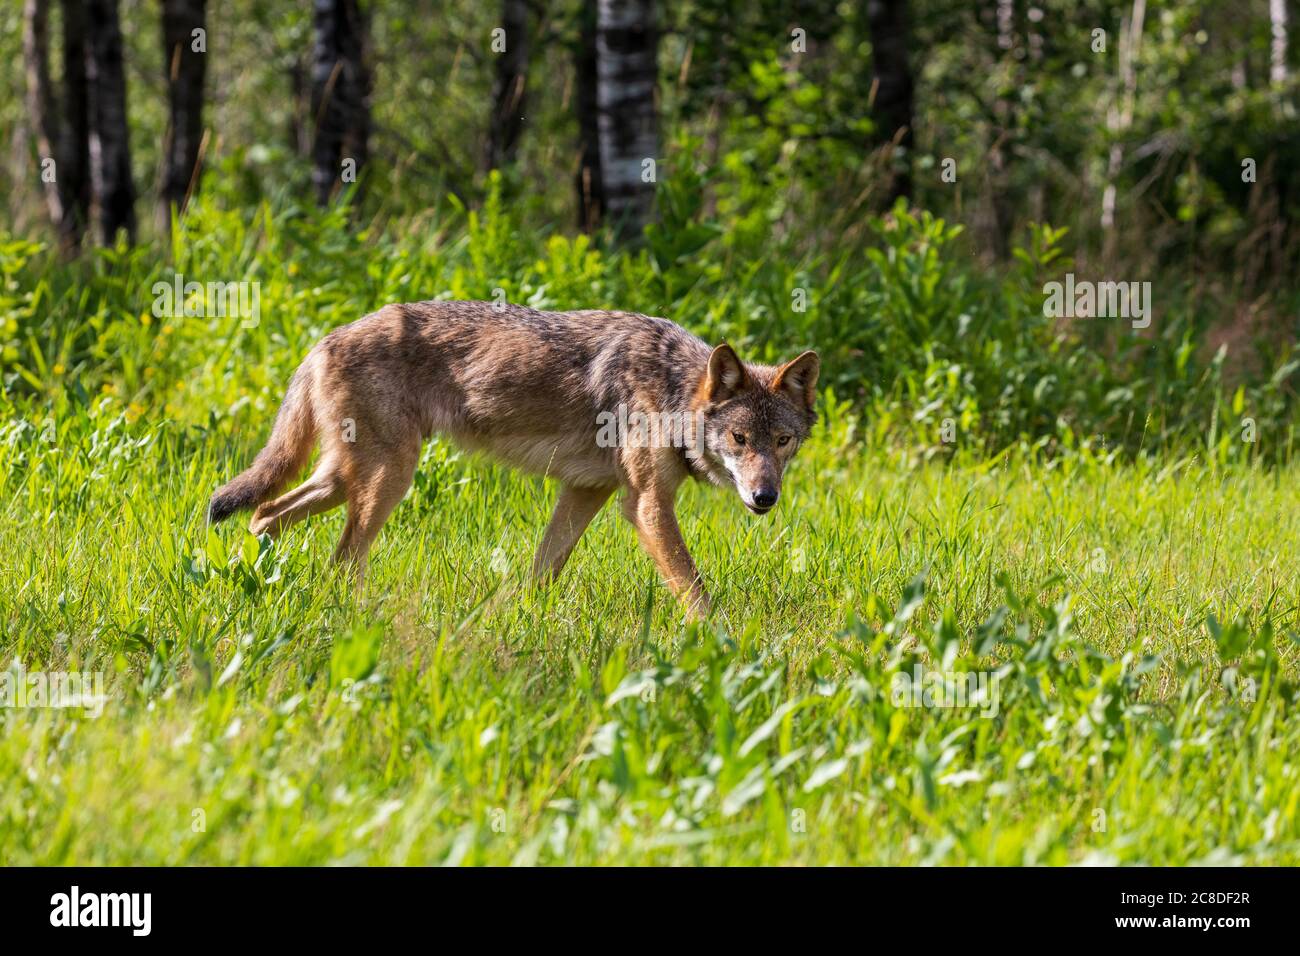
(765, 498)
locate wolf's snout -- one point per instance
(765, 498)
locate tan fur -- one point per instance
(526, 387)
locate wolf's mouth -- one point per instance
(757, 510)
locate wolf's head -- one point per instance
(754, 417)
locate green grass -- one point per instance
(1136, 606)
(256, 713)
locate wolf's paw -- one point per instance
(261, 521)
(698, 608)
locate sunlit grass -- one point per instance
(257, 713)
(1137, 609)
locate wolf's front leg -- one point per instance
(574, 510)
(655, 519)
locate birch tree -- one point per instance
(1277, 47)
(626, 76)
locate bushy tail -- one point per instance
(284, 456)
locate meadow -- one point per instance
(1123, 574)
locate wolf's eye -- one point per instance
(740, 439)
(783, 441)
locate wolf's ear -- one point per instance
(798, 378)
(726, 374)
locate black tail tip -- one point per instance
(222, 506)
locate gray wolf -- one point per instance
(532, 389)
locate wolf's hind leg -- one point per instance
(321, 492)
(372, 494)
(574, 510)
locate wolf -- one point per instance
(529, 388)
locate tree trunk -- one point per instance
(184, 67)
(110, 147)
(62, 145)
(590, 189)
(626, 75)
(892, 82)
(76, 112)
(997, 213)
(41, 109)
(340, 96)
(1277, 47)
(1119, 118)
(299, 119)
(509, 88)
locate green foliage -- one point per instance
(936, 354)
(451, 715)
(1052, 506)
